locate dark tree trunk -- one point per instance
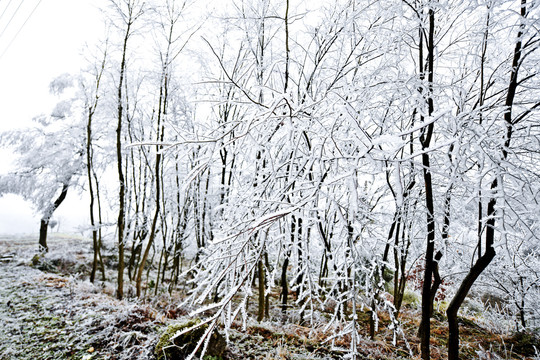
(261, 281)
(47, 217)
(485, 259)
(100, 221)
(284, 284)
(43, 235)
(129, 18)
(455, 304)
(121, 181)
(425, 139)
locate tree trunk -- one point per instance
(146, 252)
(452, 311)
(47, 217)
(284, 284)
(160, 133)
(43, 235)
(100, 221)
(485, 259)
(89, 170)
(157, 209)
(121, 181)
(425, 139)
(132, 11)
(262, 300)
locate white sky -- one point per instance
(49, 44)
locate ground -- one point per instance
(50, 316)
(49, 310)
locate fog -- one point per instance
(18, 217)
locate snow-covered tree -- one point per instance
(49, 156)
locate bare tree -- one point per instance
(129, 11)
(483, 261)
(92, 96)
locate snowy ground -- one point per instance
(48, 310)
(49, 316)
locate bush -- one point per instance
(411, 298)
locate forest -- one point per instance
(366, 170)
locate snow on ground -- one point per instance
(48, 310)
(48, 316)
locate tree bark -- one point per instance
(44, 225)
(425, 139)
(121, 181)
(453, 326)
(261, 281)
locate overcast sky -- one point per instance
(39, 39)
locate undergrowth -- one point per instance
(50, 311)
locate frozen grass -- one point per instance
(49, 310)
(56, 316)
(47, 316)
